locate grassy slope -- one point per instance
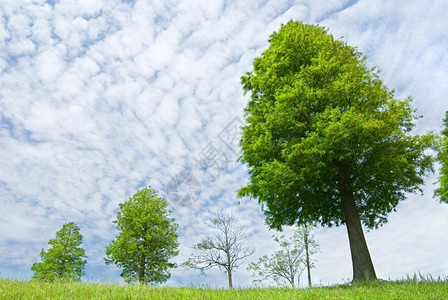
(10, 289)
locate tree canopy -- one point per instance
(65, 259)
(326, 141)
(147, 239)
(442, 190)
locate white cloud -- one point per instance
(49, 65)
(19, 25)
(21, 47)
(84, 8)
(4, 32)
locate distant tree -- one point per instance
(288, 263)
(442, 191)
(65, 259)
(326, 141)
(311, 247)
(147, 239)
(224, 250)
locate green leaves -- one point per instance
(146, 241)
(442, 190)
(65, 259)
(314, 102)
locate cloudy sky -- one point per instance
(100, 98)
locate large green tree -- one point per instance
(442, 191)
(65, 259)
(146, 241)
(325, 140)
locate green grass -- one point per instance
(11, 289)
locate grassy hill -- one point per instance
(11, 289)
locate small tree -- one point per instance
(288, 263)
(65, 259)
(311, 247)
(224, 250)
(442, 191)
(146, 241)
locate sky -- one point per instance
(99, 99)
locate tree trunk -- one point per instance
(229, 259)
(292, 282)
(141, 273)
(229, 276)
(362, 263)
(307, 253)
(291, 270)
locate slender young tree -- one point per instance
(288, 263)
(311, 247)
(442, 190)
(325, 141)
(146, 241)
(65, 259)
(224, 250)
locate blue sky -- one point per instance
(101, 98)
